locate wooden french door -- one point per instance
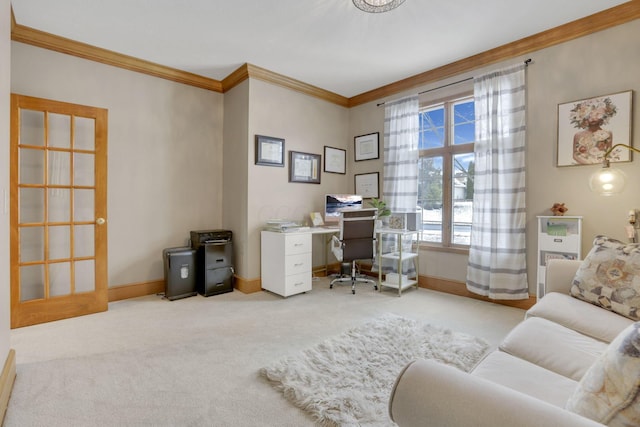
(58, 210)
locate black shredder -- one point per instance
(214, 261)
(179, 272)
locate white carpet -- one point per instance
(347, 380)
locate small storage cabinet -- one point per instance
(398, 280)
(286, 262)
(559, 237)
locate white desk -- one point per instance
(399, 256)
(286, 259)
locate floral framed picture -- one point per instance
(587, 128)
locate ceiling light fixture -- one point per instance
(608, 180)
(377, 6)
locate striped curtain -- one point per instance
(497, 255)
(401, 127)
(400, 185)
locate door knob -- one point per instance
(100, 221)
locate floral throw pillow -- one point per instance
(609, 392)
(610, 277)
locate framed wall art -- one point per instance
(269, 151)
(587, 128)
(367, 147)
(366, 184)
(304, 167)
(335, 160)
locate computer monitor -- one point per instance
(336, 203)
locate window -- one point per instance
(445, 171)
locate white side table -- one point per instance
(398, 256)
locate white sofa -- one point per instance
(528, 380)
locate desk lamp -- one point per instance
(609, 180)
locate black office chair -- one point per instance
(356, 242)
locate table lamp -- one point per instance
(609, 180)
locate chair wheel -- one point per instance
(375, 288)
(353, 291)
(330, 286)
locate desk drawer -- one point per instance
(297, 283)
(295, 264)
(297, 244)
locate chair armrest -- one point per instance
(431, 393)
(559, 275)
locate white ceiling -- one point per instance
(327, 43)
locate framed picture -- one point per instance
(304, 167)
(367, 147)
(269, 151)
(366, 184)
(335, 160)
(587, 128)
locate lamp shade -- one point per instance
(607, 181)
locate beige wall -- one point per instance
(5, 90)
(602, 63)
(165, 153)
(235, 178)
(307, 124)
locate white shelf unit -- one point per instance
(559, 237)
(398, 256)
(286, 262)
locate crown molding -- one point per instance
(617, 15)
(20, 33)
(247, 71)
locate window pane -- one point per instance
(462, 192)
(463, 122)
(430, 184)
(431, 128)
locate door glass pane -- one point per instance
(85, 276)
(59, 279)
(59, 242)
(31, 244)
(31, 165)
(83, 208)
(59, 130)
(430, 182)
(83, 169)
(463, 167)
(31, 205)
(31, 282)
(83, 240)
(59, 207)
(32, 127)
(59, 164)
(85, 133)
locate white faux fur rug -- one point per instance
(347, 380)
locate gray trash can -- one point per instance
(179, 272)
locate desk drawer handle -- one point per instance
(297, 244)
(298, 284)
(298, 264)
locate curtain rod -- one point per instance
(526, 62)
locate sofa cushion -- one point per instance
(610, 390)
(553, 347)
(610, 277)
(517, 374)
(580, 316)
